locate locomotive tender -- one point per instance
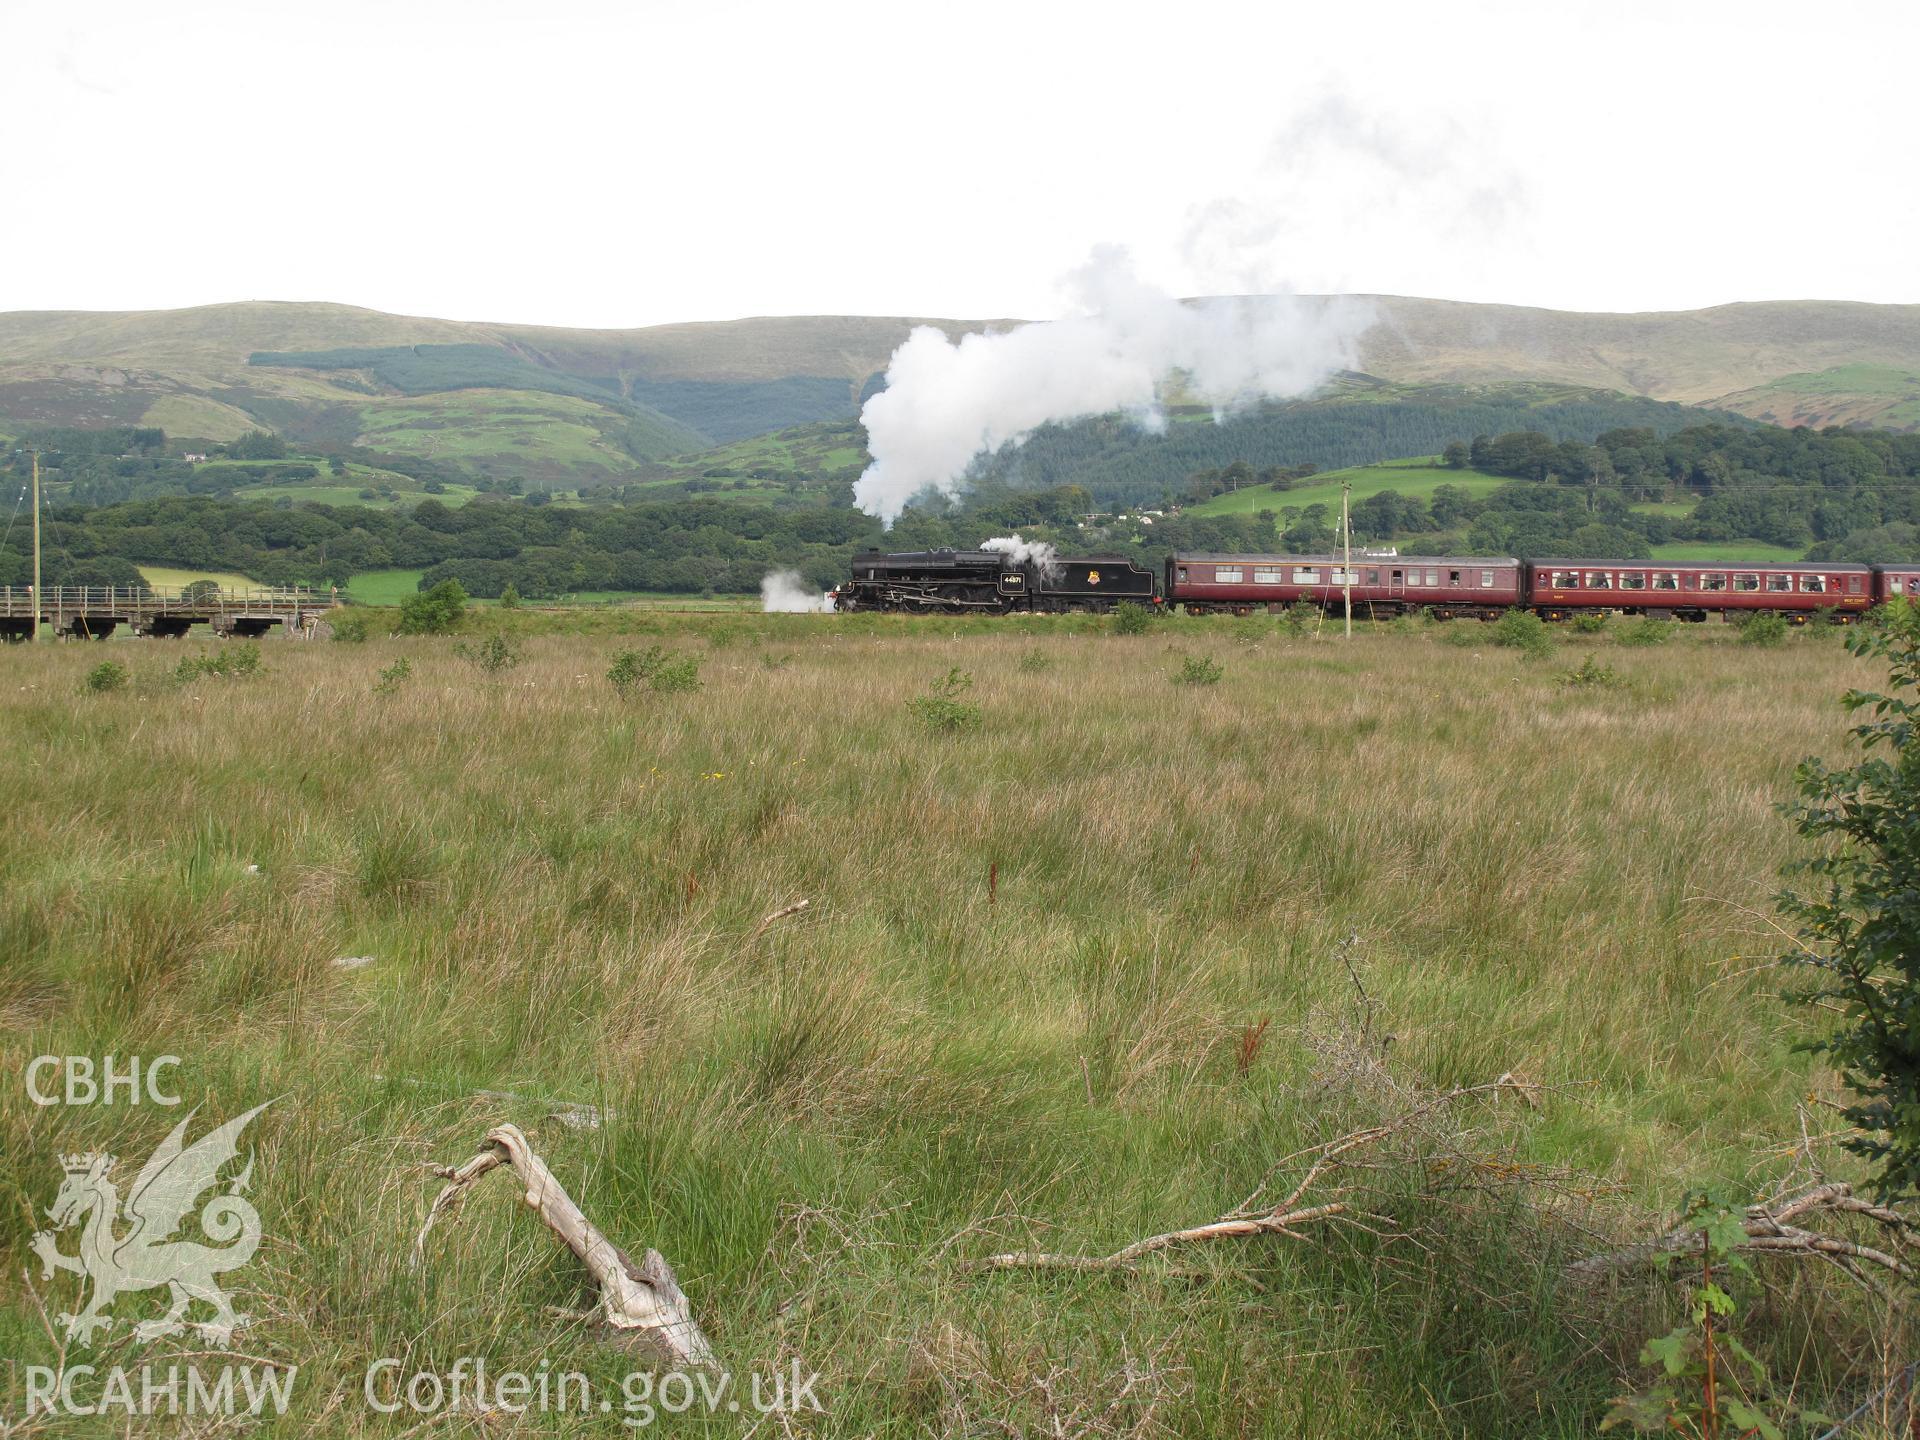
(1448, 586)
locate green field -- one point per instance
(1724, 550)
(1095, 968)
(168, 577)
(1418, 477)
(383, 587)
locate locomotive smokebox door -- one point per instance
(1013, 582)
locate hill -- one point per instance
(217, 370)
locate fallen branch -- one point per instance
(1771, 1231)
(780, 914)
(1287, 1218)
(644, 1300)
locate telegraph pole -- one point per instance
(1346, 570)
(36, 545)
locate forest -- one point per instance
(1833, 494)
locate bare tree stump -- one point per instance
(642, 1302)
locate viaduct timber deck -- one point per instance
(96, 611)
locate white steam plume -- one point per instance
(786, 592)
(1020, 551)
(946, 402)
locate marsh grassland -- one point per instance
(1023, 1009)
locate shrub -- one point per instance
(1644, 632)
(510, 597)
(1130, 618)
(1763, 629)
(106, 676)
(655, 668)
(391, 678)
(493, 654)
(432, 612)
(1033, 662)
(1299, 615)
(1857, 926)
(942, 709)
(1198, 670)
(1590, 622)
(235, 662)
(1592, 673)
(678, 674)
(1524, 631)
(350, 627)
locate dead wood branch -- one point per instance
(642, 1301)
(780, 914)
(1772, 1230)
(1289, 1217)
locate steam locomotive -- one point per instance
(992, 582)
(1446, 587)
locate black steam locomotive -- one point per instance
(956, 582)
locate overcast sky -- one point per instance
(612, 164)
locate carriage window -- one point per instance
(1183, 572)
(1813, 584)
(1343, 577)
(1780, 584)
(1413, 577)
(1486, 579)
(1566, 579)
(1373, 577)
(1853, 584)
(1632, 582)
(1268, 575)
(1713, 582)
(1226, 574)
(1453, 577)
(1745, 583)
(1599, 580)
(1666, 580)
(1433, 577)
(1306, 575)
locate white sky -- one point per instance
(581, 163)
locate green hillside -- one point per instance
(611, 402)
(1417, 477)
(1879, 395)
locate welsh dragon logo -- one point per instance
(147, 1255)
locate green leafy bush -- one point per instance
(1130, 618)
(1299, 615)
(942, 709)
(107, 676)
(493, 654)
(433, 612)
(1198, 670)
(1590, 622)
(1763, 629)
(1859, 928)
(656, 669)
(510, 596)
(1644, 632)
(1591, 674)
(350, 627)
(1524, 631)
(232, 662)
(393, 676)
(1035, 661)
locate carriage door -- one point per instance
(1396, 583)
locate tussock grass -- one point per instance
(560, 889)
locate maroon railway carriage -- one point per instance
(1448, 585)
(1559, 588)
(1892, 580)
